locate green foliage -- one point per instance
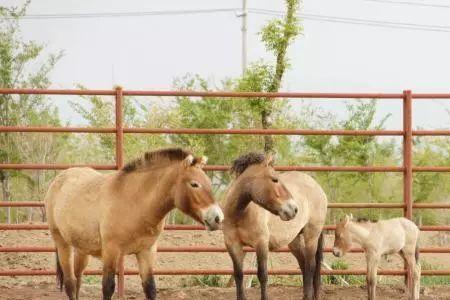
(340, 279)
(209, 280)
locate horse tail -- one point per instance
(59, 273)
(319, 258)
(417, 254)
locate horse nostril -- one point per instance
(296, 210)
(217, 219)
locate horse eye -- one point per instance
(275, 180)
(195, 184)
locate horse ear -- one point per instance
(346, 220)
(268, 160)
(201, 162)
(188, 160)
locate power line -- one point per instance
(128, 14)
(314, 17)
(410, 3)
(356, 21)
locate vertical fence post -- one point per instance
(119, 165)
(407, 154)
(407, 164)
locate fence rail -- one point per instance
(407, 168)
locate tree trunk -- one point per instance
(4, 177)
(288, 35)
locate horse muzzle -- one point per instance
(288, 210)
(212, 217)
(337, 252)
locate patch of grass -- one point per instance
(209, 280)
(339, 279)
(91, 279)
(433, 280)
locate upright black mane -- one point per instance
(241, 163)
(153, 158)
(365, 220)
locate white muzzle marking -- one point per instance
(289, 210)
(212, 217)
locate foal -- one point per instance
(115, 214)
(267, 210)
(398, 235)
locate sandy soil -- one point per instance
(275, 292)
(43, 287)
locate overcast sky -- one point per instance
(148, 52)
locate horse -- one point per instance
(123, 212)
(397, 235)
(267, 210)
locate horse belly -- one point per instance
(79, 231)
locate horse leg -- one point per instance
(80, 262)
(110, 258)
(311, 238)
(296, 249)
(261, 255)
(237, 255)
(372, 265)
(417, 274)
(412, 273)
(65, 253)
(146, 259)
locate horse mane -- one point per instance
(365, 220)
(241, 163)
(155, 158)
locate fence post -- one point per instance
(407, 154)
(407, 163)
(119, 165)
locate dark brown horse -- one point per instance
(120, 213)
(267, 210)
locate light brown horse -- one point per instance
(267, 210)
(120, 213)
(398, 235)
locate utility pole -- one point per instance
(244, 35)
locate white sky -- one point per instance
(149, 52)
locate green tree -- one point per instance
(22, 65)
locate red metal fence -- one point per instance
(407, 168)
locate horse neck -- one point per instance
(237, 202)
(153, 190)
(359, 233)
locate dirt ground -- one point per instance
(189, 287)
(49, 292)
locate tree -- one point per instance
(18, 59)
(277, 35)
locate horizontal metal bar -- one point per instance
(21, 204)
(431, 169)
(226, 168)
(249, 131)
(258, 131)
(204, 94)
(194, 227)
(54, 166)
(366, 205)
(330, 205)
(431, 132)
(430, 96)
(57, 92)
(55, 129)
(207, 249)
(321, 168)
(225, 272)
